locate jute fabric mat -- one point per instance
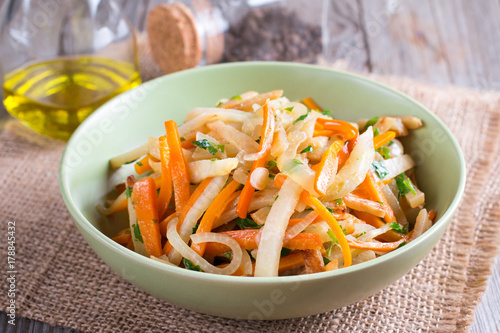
(61, 281)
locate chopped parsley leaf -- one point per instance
(304, 116)
(330, 210)
(376, 132)
(271, 164)
(289, 109)
(339, 202)
(398, 228)
(154, 220)
(401, 245)
(195, 228)
(211, 147)
(182, 139)
(361, 234)
(137, 232)
(239, 187)
(128, 191)
(272, 176)
(308, 149)
(213, 159)
(390, 143)
(384, 151)
(237, 97)
(285, 251)
(332, 236)
(296, 161)
(129, 162)
(247, 223)
(250, 254)
(219, 103)
(404, 185)
(326, 261)
(380, 169)
(139, 163)
(327, 113)
(127, 232)
(228, 255)
(258, 140)
(189, 265)
(371, 122)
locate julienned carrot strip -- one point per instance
(123, 237)
(264, 149)
(189, 204)
(322, 132)
(247, 239)
(380, 247)
(390, 236)
(239, 270)
(177, 166)
(386, 181)
(432, 215)
(383, 138)
(311, 104)
(117, 207)
(319, 208)
(376, 193)
(343, 127)
(292, 261)
(226, 204)
(325, 168)
(279, 180)
(164, 223)
(146, 208)
(210, 215)
(142, 165)
(166, 180)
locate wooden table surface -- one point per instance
(440, 42)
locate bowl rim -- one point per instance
(81, 221)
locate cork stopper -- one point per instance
(173, 38)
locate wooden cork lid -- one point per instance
(173, 38)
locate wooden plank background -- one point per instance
(440, 42)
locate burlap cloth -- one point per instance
(61, 281)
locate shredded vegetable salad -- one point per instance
(263, 186)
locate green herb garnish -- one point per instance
(390, 143)
(361, 234)
(380, 169)
(384, 151)
(211, 147)
(227, 255)
(398, 228)
(276, 198)
(237, 97)
(137, 232)
(250, 254)
(154, 220)
(139, 163)
(304, 116)
(289, 109)
(371, 122)
(332, 236)
(376, 132)
(285, 251)
(271, 164)
(339, 202)
(326, 261)
(308, 149)
(182, 139)
(327, 113)
(296, 161)
(128, 191)
(193, 231)
(404, 185)
(247, 223)
(189, 265)
(401, 245)
(330, 210)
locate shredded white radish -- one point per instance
(397, 165)
(114, 205)
(299, 227)
(422, 224)
(163, 259)
(237, 138)
(354, 170)
(301, 173)
(394, 204)
(260, 215)
(241, 175)
(196, 211)
(203, 169)
(294, 141)
(154, 147)
(259, 178)
(411, 122)
(370, 235)
(129, 156)
(185, 251)
(280, 141)
(417, 199)
(246, 263)
(271, 240)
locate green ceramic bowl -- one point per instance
(127, 120)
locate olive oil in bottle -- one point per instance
(55, 96)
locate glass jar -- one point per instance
(60, 60)
(186, 33)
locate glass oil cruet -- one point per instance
(62, 59)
